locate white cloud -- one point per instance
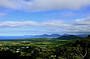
(14, 4)
(17, 24)
(83, 21)
(51, 23)
(41, 5)
(2, 14)
(54, 23)
(78, 26)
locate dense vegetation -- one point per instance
(44, 48)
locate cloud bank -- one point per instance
(42, 5)
(78, 26)
(17, 24)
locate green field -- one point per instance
(34, 42)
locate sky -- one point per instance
(36, 17)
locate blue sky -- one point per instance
(36, 17)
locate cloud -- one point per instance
(2, 14)
(43, 5)
(83, 21)
(54, 23)
(7, 24)
(14, 4)
(48, 23)
(79, 26)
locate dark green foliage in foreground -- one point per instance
(73, 52)
(7, 53)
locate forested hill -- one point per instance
(69, 37)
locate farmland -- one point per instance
(30, 42)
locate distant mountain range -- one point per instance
(47, 36)
(63, 37)
(30, 36)
(80, 35)
(69, 37)
(83, 35)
